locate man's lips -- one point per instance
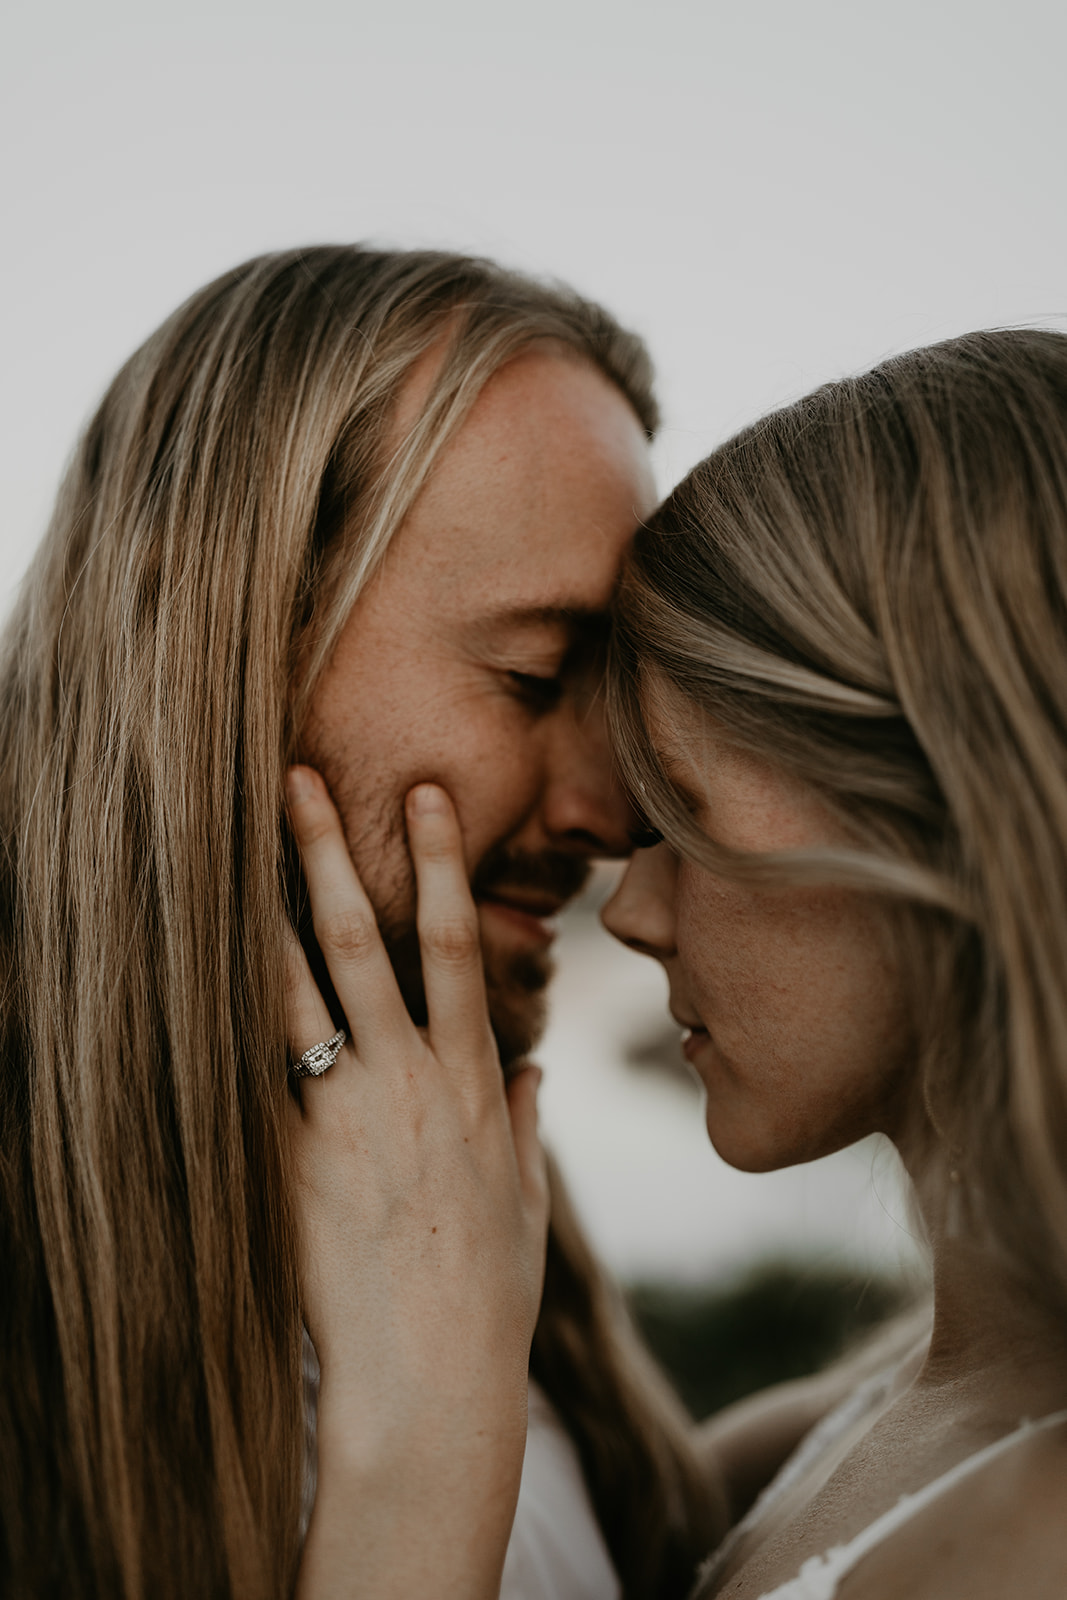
(524, 912)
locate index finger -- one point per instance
(449, 942)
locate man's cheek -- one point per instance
(495, 791)
(380, 855)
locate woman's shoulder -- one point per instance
(998, 1531)
(988, 1528)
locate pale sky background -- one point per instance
(773, 192)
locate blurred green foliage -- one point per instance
(780, 1321)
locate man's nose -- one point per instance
(585, 805)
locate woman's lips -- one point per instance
(693, 1042)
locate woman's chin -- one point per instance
(747, 1146)
(743, 1145)
(742, 1134)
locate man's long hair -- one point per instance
(225, 506)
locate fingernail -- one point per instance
(427, 798)
(299, 785)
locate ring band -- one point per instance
(314, 1062)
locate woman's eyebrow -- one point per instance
(672, 761)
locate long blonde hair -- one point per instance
(869, 588)
(226, 504)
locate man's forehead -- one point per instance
(526, 515)
(577, 618)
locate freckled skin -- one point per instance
(531, 505)
(806, 1044)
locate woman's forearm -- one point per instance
(424, 1509)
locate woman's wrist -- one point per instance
(409, 1505)
(371, 1438)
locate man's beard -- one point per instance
(515, 980)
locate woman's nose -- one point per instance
(641, 911)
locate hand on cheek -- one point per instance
(421, 1204)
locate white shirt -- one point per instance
(556, 1551)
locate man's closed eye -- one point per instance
(540, 694)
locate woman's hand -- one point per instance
(422, 1207)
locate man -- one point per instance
(365, 507)
(472, 659)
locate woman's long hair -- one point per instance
(224, 508)
(869, 589)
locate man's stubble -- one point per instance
(516, 981)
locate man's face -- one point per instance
(469, 660)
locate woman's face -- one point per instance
(797, 1025)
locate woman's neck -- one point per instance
(989, 1332)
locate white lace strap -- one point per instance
(819, 1577)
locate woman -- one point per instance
(839, 690)
(227, 505)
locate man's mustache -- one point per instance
(550, 872)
